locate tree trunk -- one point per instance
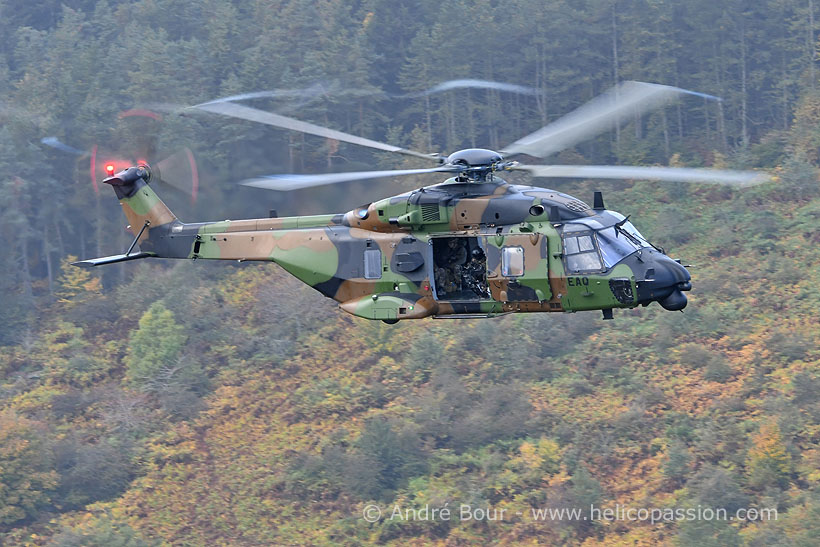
(82, 245)
(121, 244)
(707, 122)
(47, 256)
(429, 124)
(785, 90)
(302, 153)
(98, 224)
(25, 272)
(470, 119)
(722, 127)
(493, 96)
(291, 157)
(678, 108)
(721, 118)
(60, 244)
(541, 102)
(615, 70)
(743, 94)
(450, 122)
(329, 144)
(811, 45)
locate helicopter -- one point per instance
(471, 246)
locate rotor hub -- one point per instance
(475, 157)
(475, 164)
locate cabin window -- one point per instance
(512, 261)
(372, 264)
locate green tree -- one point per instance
(678, 459)
(155, 350)
(385, 456)
(102, 530)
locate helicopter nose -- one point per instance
(665, 281)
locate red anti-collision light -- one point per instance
(109, 168)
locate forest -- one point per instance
(193, 403)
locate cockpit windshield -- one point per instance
(617, 245)
(586, 244)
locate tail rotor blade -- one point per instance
(179, 171)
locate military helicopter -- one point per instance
(471, 246)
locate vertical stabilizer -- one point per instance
(140, 203)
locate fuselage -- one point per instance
(456, 248)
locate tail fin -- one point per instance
(140, 203)
(146, 213)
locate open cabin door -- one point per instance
(517, 267)
(459, 269)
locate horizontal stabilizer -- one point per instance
(91, 262)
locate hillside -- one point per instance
(191, 403)
(288, 417)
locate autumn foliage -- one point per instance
(189, 403)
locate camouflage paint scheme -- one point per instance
(327, 252)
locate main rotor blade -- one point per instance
(54, 142)
(473, 84)
(296, 182)
(679, 174)
(601, 113)
(277, 120)
(312, 91)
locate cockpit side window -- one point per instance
(581, 252)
